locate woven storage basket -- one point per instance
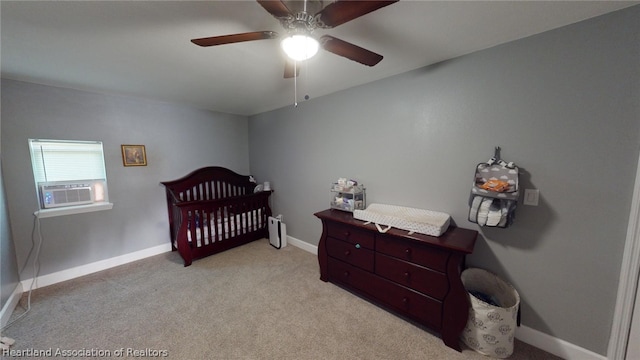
(490, 329)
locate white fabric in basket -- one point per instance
(427, 222)
(490, 328)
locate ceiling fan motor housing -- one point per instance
(302, 22)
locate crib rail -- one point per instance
(212, 190)
(210, 183)
(206, 227)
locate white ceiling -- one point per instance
(142, 48)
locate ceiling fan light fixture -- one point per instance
(300, 47)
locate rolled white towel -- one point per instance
(495, 214)
(473, 210)
(483, 211)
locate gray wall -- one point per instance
(177, 139)
(9, 277)
(563, 105)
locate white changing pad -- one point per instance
(427, 222)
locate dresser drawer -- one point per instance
(408, 302)
(349, 253)
(424, 280)
(415, 276)
(352, 276)
(424, 255)
(351, 234)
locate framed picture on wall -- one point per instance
(134, 155)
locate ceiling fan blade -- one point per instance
(275, 7)
(350, 51)
(340, 12)
(290, 69)
(235, 38)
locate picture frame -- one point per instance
(134, 155)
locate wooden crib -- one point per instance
(214, 209)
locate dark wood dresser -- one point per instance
(416, 276)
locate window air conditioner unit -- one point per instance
(65, 194)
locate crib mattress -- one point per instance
(426, 222)
(226, 228)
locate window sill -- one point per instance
(70, 210)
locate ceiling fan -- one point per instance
(300, 19)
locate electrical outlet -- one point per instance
(531, 197)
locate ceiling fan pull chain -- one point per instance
(295, 84)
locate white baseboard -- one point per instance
(525, 334)
(91, 268)
(302, 245)
(10, 305)
(555, 346)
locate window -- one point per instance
(70, 176)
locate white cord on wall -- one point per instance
(36, 268)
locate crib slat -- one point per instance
(238, 218)
(208, 232)
(218, 227)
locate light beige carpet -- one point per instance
(251, 302)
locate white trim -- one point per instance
(302, 245)
(554, 345)
(10, 305)
(525, 334)
(528, 335)
(91, 268)
(70, 210)
(628, 285)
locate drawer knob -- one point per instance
(357, 246)
(347, 253)
(346, 274)
(346, 234)
(407, 274)
(407, 251)
(405, 300)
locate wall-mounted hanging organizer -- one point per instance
(495, 192)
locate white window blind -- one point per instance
(58, 160)
(70, 176)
